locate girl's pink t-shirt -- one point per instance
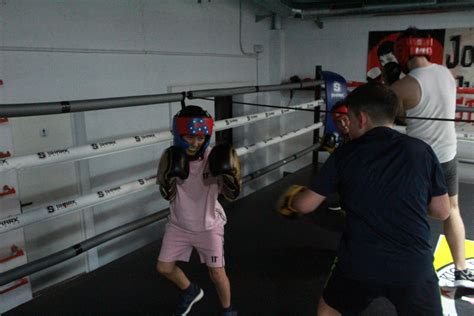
(195, 207)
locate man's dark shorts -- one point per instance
(450, 172)
(350, 296)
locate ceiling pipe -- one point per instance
(386, 10)
(281, 9)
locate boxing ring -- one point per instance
(57, 208)
(16, 278)
(13, 279)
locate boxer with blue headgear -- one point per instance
(192, 130)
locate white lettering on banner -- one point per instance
(336, 87)
(9, 221)
(53, 153)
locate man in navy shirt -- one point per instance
(389, 184)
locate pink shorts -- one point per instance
(178, 244)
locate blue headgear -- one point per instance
(192, 120)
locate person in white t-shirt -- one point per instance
(429, 91)
(191, 176)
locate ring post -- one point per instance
(222, 111)
(317, 112)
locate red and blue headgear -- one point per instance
(192, 120)
(339, 111)
(408, 46)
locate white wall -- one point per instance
(86, 49)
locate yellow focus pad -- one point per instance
(284, 206)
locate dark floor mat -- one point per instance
(276, 266)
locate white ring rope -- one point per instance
(56, 208)
(460, 135)
(83, 152)
(274, 140)
(243, 120)
(114, 146)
